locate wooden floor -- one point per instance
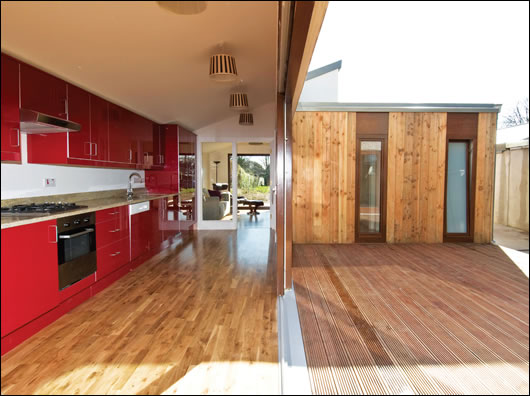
(197, 318)
(412, 319)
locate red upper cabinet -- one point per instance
(42, 92)
(30, 277)
(171, 156)
(159, 145)
(99, 128)
(10, 110)
(79, 143)
(119, 134)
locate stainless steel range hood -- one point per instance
(34, 122)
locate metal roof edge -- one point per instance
(403, 107)
(323, 70)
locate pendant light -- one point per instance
(238, 98)
(223, 67)
(246, 119)
(183, 7)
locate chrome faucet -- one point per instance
(129, 186)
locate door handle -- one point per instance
(87, 231)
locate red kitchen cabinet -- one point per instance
(119, 141)
(10, 149)
(159, 145)
(99, 128)
(112, 257)
(140, 233)
(42, 92)
(79, 143)
(30, 277)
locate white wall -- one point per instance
(264, 125)
(324, 88)
(26, 180)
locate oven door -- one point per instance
(77, 255)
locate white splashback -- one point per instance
(27, 180)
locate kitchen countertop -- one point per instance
(93, 205)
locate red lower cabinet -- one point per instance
(30, 274)
(112, 257)
(140, 233)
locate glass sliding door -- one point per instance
(370, 181)
(216, 188)
(459, 179)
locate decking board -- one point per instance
(414, 318)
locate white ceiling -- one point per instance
(145, 58)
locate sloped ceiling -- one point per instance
(146, 58)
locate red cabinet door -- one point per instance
(10, 110)
(42, 92)
(157, 154)
(30, 276)
(140, 233)
(171, 147)
(99, 128)
(79, 143)
(119, 139)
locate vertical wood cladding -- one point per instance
(323, 177)
(416, 177)
(487, 130)
(324, 167)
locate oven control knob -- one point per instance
(86, 220)
(77, 222)
(66, 225)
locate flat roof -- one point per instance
(323, 70)
(402, 107)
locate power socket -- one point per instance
(49, 182)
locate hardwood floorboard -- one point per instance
(432, 318)
(199, 317)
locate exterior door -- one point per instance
(371, 198)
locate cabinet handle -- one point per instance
(96, 151)
(162, 155)
(130, 154)
(116, 230)
(55, 232)
(89, 148)
(114, 254)
(113, 213)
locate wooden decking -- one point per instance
(199, 317)
(412, 319)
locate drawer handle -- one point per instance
(115, 254)
(116, 230)
(113, 213)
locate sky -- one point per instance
(418, 52)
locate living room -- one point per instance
(239, 170)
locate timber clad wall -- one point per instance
(416, 177)
(324, 177)
(487, 131)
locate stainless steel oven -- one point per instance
(76, 248)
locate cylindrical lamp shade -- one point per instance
(223, 67)
(246, 119)
(238, 101)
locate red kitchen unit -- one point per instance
(30, 276)
(10, 149)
